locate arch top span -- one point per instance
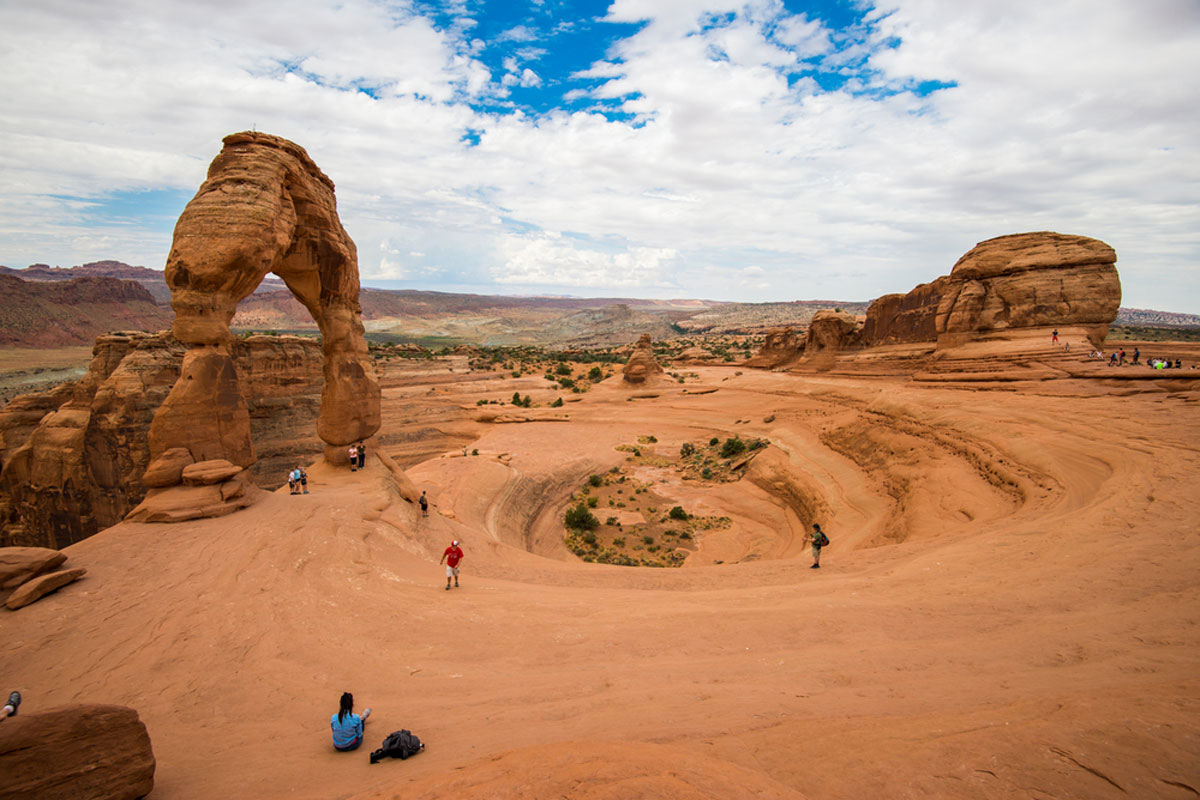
(265, 207)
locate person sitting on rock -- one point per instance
(347, 726)
(10, 710)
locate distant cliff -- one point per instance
(73, 312)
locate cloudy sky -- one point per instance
(762, 150)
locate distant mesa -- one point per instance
(264, 208)
(642, 366)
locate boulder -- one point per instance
(181, 503)
(264, 208)
(831, 331)
(20, 564)
(206, 473)
(642, 365)
(82, 752)
(167, 469)
(37, 588)
(781, 346)
(1029, 280)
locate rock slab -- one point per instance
(35, 589)
(83, 752)
(642, 365)
(20, 564)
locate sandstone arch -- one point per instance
(265, 207)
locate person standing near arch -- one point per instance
(362, 455)
(819, 540)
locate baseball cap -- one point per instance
(454, 543)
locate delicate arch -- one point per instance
(265, 207)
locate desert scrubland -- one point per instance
(1008, 607)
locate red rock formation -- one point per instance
(80, 467)
(264, 208)
(83, 752)
(642, 365)
(36, 588)
(19, 565)
(905, 318)
(1029, 280)
(831, 331)
(781, 346)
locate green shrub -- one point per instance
(595, 375)
(610, 521)
(677, 513)
(589, 538)
(647, 540)
(563, 369)
(580, 519)
(706, 473)
(566, 383)
(686, 449)
(516, 398)
(733, 447)
(593, 502)
(475, 452)
(684, 535)
(619, 541)
(595, 480)
(557, 403)
(713, 442)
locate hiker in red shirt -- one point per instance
(452, 556)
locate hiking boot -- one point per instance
(815, 566)
(456, 584)
(447, 587)
(14, 700)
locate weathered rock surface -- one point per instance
(1024, 280)
(35, 589)
(80, 309)
(642, 365)
(84, 752)
(905, 318)
(206, 473)
(781, 346)
(85, 461)
(21, 564)
(265, 207)
(180, 503)
(831, 331)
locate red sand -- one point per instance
(1008, 609)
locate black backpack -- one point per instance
(400, 744)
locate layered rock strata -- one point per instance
(830, 331)
(264, 208)
(642, 365)
(75, 458)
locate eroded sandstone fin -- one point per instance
(265, 207)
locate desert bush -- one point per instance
(610, 521)
(579, 518)
(684, 535)
(566, 383)
(647, 540)
(686, 449)
(593, 502)
(595, 480)
(733, 447)
(619, 541)
(595, 375)
(677, 513)
(557, 403)
(706, 473)
(713, 442)
(563, 369)
(589, 538)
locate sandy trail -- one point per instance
(1009, 609)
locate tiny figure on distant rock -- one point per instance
(1054, 336)
(1136, 355)
(353, 454)
(452, 556)
(10, 710)
(291, 481)
(362, 455)
(303, 479)
(424, 503)
(347, 726)
(819, 540)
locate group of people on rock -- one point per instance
(1117, 359)
(298, 480)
